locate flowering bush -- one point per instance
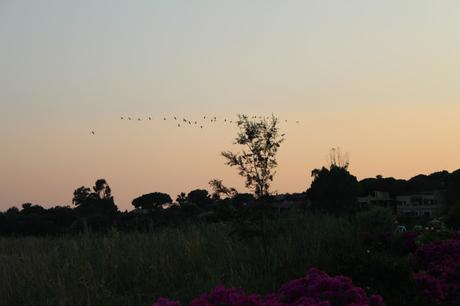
(315, 289)
(439, 275)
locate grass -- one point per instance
(181, 263)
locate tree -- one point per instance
(181, 198)
(258, 160)
(199, 197)
(81, 196)
(219, 189)
(152, 200)
(333, 189)
(100, 201)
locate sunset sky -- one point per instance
(380, 79)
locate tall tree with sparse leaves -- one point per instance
(257, 161)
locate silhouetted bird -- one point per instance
(150, 118)
(201, 126)
(175, 118)
(139, 119)
(121, 118)
(164, 118)
(93, 132)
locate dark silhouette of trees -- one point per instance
(220, 190)
(388, 184)
(200, 197)
(333, 189)
(256, 163)
(152, 200)
(100, 201)
(453, 188)
(181, 198)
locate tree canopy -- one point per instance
(152, 200)
(333, 189)
(257, 160)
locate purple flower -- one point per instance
(316, 288)
(439, 279)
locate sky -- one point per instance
(379, 79)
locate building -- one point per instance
(423, 204)
(426, 204)
(377, 198)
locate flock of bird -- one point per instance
(182, 122)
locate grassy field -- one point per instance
(180, 263)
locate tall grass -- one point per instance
(180, 263)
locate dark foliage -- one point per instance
(333, 190)
(152, 200)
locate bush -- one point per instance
(439, 271)
(315, 289)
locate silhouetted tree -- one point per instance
(181, 198)
(199, 197)
(219, 189)
(333, 189)
(152, 200)
(386, 184)
(453, 199)
(100, 201)
(257, 162)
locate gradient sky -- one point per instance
(380, 79)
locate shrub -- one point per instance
(315, 289)
(439, 275)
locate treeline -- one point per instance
(333, 190)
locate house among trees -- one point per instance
(422, 204)
(426, 204)
(377, 198)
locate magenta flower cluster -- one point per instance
(315, 289)
(439, 275)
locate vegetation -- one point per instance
(257, 162)
(334, 189)
(182, 262)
